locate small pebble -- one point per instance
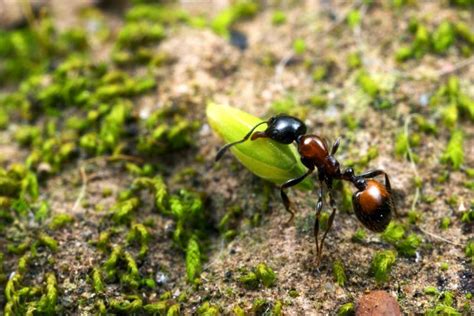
(378, 303)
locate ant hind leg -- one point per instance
(319, 207)
(375, 173)
(332, 203)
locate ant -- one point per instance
(372, 202)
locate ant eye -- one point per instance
(373, 206)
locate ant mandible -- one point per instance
(373, 200)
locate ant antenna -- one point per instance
(221, 151)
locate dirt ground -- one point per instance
(207, 67)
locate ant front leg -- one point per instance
(284, 196)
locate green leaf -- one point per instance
(265, 158)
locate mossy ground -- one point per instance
(311, 54)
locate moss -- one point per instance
(207, 309)
(318, 101)
(110, 265)
(339, 273)
(425, 125)
(161, 193)
(174, 310)
(60, 220)
(444, 266)
(347, 309)
(100, 306)
(123, 211)
(320, 73)
(359, 236)
(404, 53)
(42, 212)
(449, 115)
(293, 293)
(469, 250)
(284, 105)
(299, 46)
(166, 130)
(48, 241)
(445, 222)
(430, 290)
(4, 118)
(260, 305)
(277, 309)
(393, 233)
(140, 33)
(381, 265)
(130, 304)
(354, 60)
(131, 277)
(23, 263)
(443, 37)
(193, 259)
(20, 248)
(368, 85)
(467, 217)
(240, 10)
(238, 311)
(158, 308)
(97, 282)
(414, 216)
(103, 240)
(249, 280)
(443, 305)
(139, 233)
(278, 17)
(265, 274)
(9, 187)
(354, 18)
(466, 106)
(47, 302)
(408, 246)
(454, 153)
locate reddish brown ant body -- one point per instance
(372, 202)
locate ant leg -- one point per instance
(223, 149)
(319, 207)
(332, 203)
(378, 172)
(284, 197)
(335, 146)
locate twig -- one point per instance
(456, 67)
(439, 237)
(412, 162)
(114, 158)
(83, 188)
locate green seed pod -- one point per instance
(264, 157)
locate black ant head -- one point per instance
(285, 129)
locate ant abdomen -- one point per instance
(373, 206)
